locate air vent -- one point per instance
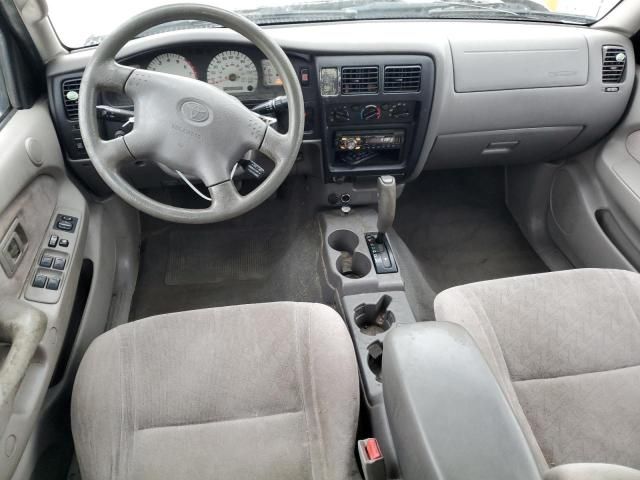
(70, 93)
(402, 78)
(359, 80)
(614, 62)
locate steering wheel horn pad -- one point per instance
(186, 124)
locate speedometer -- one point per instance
(233, 72)
(174, 64)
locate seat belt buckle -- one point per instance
(371, 459)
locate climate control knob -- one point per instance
(371, 112)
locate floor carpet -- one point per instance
(459, 229)
(269, 254)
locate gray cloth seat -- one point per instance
(565, 348)
(266, 391)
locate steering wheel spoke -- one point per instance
(111, 75)
(114, 153)
(224, 193)
(275, 145)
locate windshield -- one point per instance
(86, 22)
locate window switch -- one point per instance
(40, 281)
(53, 241)
(53, 284)
(59, 263)
(46, 261)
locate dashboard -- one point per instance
(395, 97)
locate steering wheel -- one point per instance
(186, 124)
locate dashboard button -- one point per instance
(305, 77)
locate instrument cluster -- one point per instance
(235, 71)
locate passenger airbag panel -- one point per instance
(526, 62)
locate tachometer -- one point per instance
(233, 72)
(174, 64)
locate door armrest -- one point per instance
(22, 327)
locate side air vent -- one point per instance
(359, 80)
(402, 78)
(70, 95)
(614, 62)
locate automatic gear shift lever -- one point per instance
(386, 205)
(377, 242)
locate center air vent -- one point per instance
(402, 78)
(359, 80)
(70, 95)
(614, 62)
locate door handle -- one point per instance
(22, 326)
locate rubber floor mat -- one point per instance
(239, 255)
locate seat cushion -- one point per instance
(565, 347)
(266, 391)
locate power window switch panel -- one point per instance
(40, 281)
(59, 263)
(46, 261)
(53, 284)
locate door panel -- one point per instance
(34, 195)
(594, 213)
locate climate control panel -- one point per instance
(363, 113)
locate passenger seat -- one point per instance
(565, 349)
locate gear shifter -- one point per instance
(386, 205)
(378, 242)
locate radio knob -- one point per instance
(371, 112)
(351, 144)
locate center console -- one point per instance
(374, 108)
(360, 259)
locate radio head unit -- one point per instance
(376, 140)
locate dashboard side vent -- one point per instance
(402, 78)
(614, 63)
(70, 95)
(360, 80)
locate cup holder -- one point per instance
(343, 241)
(374, 318)
(350, 264)
(354, 265)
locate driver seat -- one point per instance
(264, 391)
